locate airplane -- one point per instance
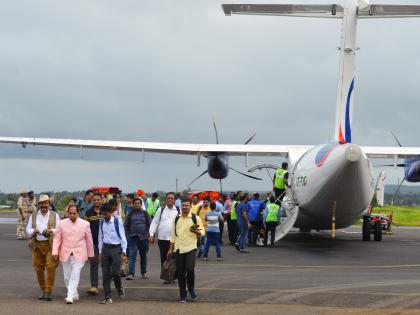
(332, 183)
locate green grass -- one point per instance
(402, 215)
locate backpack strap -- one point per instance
(194, 218)
(117, 226)
(176, 221)
(199, 209)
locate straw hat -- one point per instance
(43, 198)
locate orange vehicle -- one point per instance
(103, 190)
(213, 195)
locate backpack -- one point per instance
(193, 218)
(116, 225)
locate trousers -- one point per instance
(142, 246)
(111, 261)
(270, 227)
(71, 271)
(185, 264)
(42, 259)
(94, 268)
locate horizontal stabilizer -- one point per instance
(319, 11)
(389, 11)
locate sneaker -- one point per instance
(92, 291)
(48, 297)
(204, 258)
(42, 296)
(144, 276)
(167, 282)
(244, 251)
(106, 301)
(183, 300)
(237, 247)
(129, 277)
(194, 296)
(69, 300)
(219, 259)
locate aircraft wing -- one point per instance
(392, 152)
(389, 11)
(297, 10)
(160, 147)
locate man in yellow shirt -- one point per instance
(186, 229)
(195, 204)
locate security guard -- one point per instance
(280, 181)
(152, 204)
(271, 220)
(22, 212)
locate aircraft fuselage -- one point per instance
(331, 174)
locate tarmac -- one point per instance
(305, 273)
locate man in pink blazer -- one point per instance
(73, 245)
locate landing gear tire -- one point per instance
(366, 230)
(377, 231)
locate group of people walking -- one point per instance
(104, 233)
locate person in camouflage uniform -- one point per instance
(22, 213)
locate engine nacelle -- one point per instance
(218, 165)
(412, 170)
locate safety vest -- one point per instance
(233, 214)
(152, 206)
(273, 213)
(279, 181)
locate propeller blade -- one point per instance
(250, 138)
(215, 129)
(221, 187)
(202, 174)
(253, 177)
(399, 143)
(398, 165)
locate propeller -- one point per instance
(397, 191)
(399, 143)
(398, 165)
(250, 176)
(199, 176)
(217, 142)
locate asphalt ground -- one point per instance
(304, 273)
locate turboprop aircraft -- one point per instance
(331, 183)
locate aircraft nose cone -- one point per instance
(353, 153)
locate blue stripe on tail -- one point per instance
(348, 127)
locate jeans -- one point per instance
(142, 246)
(243, 235)
(213, 238)
(185, 264)
(111, 261)
(94, 268)
(202, 244)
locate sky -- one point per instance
(160, 70)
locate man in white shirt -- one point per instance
(111, 243)
(162, 224)
(41, 228)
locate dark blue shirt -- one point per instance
(256, 206)
(240, 209)
(137, 223)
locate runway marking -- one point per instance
(279, 266)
